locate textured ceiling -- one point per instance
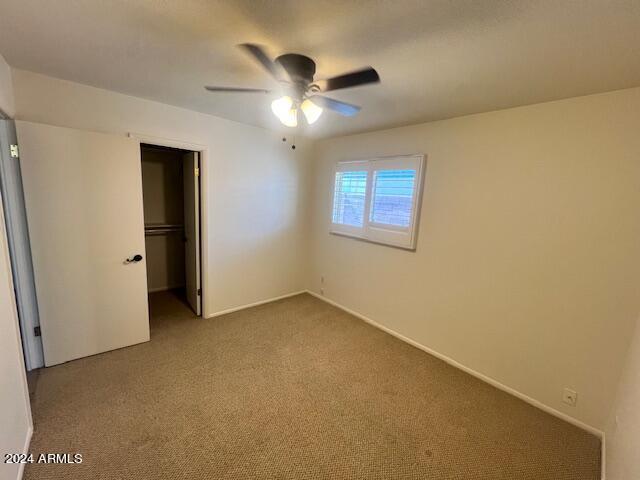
(437, 58)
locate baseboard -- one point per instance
(470, 371)
(255, 304)
(25, 450)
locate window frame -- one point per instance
(380, 233)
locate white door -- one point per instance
(191, 175)
(83, 195)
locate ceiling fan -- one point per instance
(295, 74)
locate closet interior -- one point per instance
(171, 197)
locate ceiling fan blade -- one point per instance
(353, 79)
(342, 108)
(236, 89)
(273, 68)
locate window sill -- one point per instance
(375, 242)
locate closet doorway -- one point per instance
(172, 204)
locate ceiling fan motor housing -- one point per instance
(299, 67)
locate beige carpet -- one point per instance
(295, 389)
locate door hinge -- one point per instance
(36, 331)
(197, 172)
(15, 153)
(199, 291)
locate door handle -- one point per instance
(136, 258)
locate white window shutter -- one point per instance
(379, 199)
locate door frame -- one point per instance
(20, 252)
(203, 151)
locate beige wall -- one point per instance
(528, 263)
(527, 268)
(162, 186)
(256, 184)
(15, 414)
(623, 429)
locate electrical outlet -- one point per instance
(570, 397)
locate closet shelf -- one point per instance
(162, 228)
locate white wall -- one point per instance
(14, 398)
(6, 89)
(527, 268)
(623, 429)
(257, 196)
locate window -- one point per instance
(392, 197)
(348, 201)
(378, 199)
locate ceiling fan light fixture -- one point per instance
(295, 74)
(284, 109)
(311, 111)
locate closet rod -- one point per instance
(162, 229)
